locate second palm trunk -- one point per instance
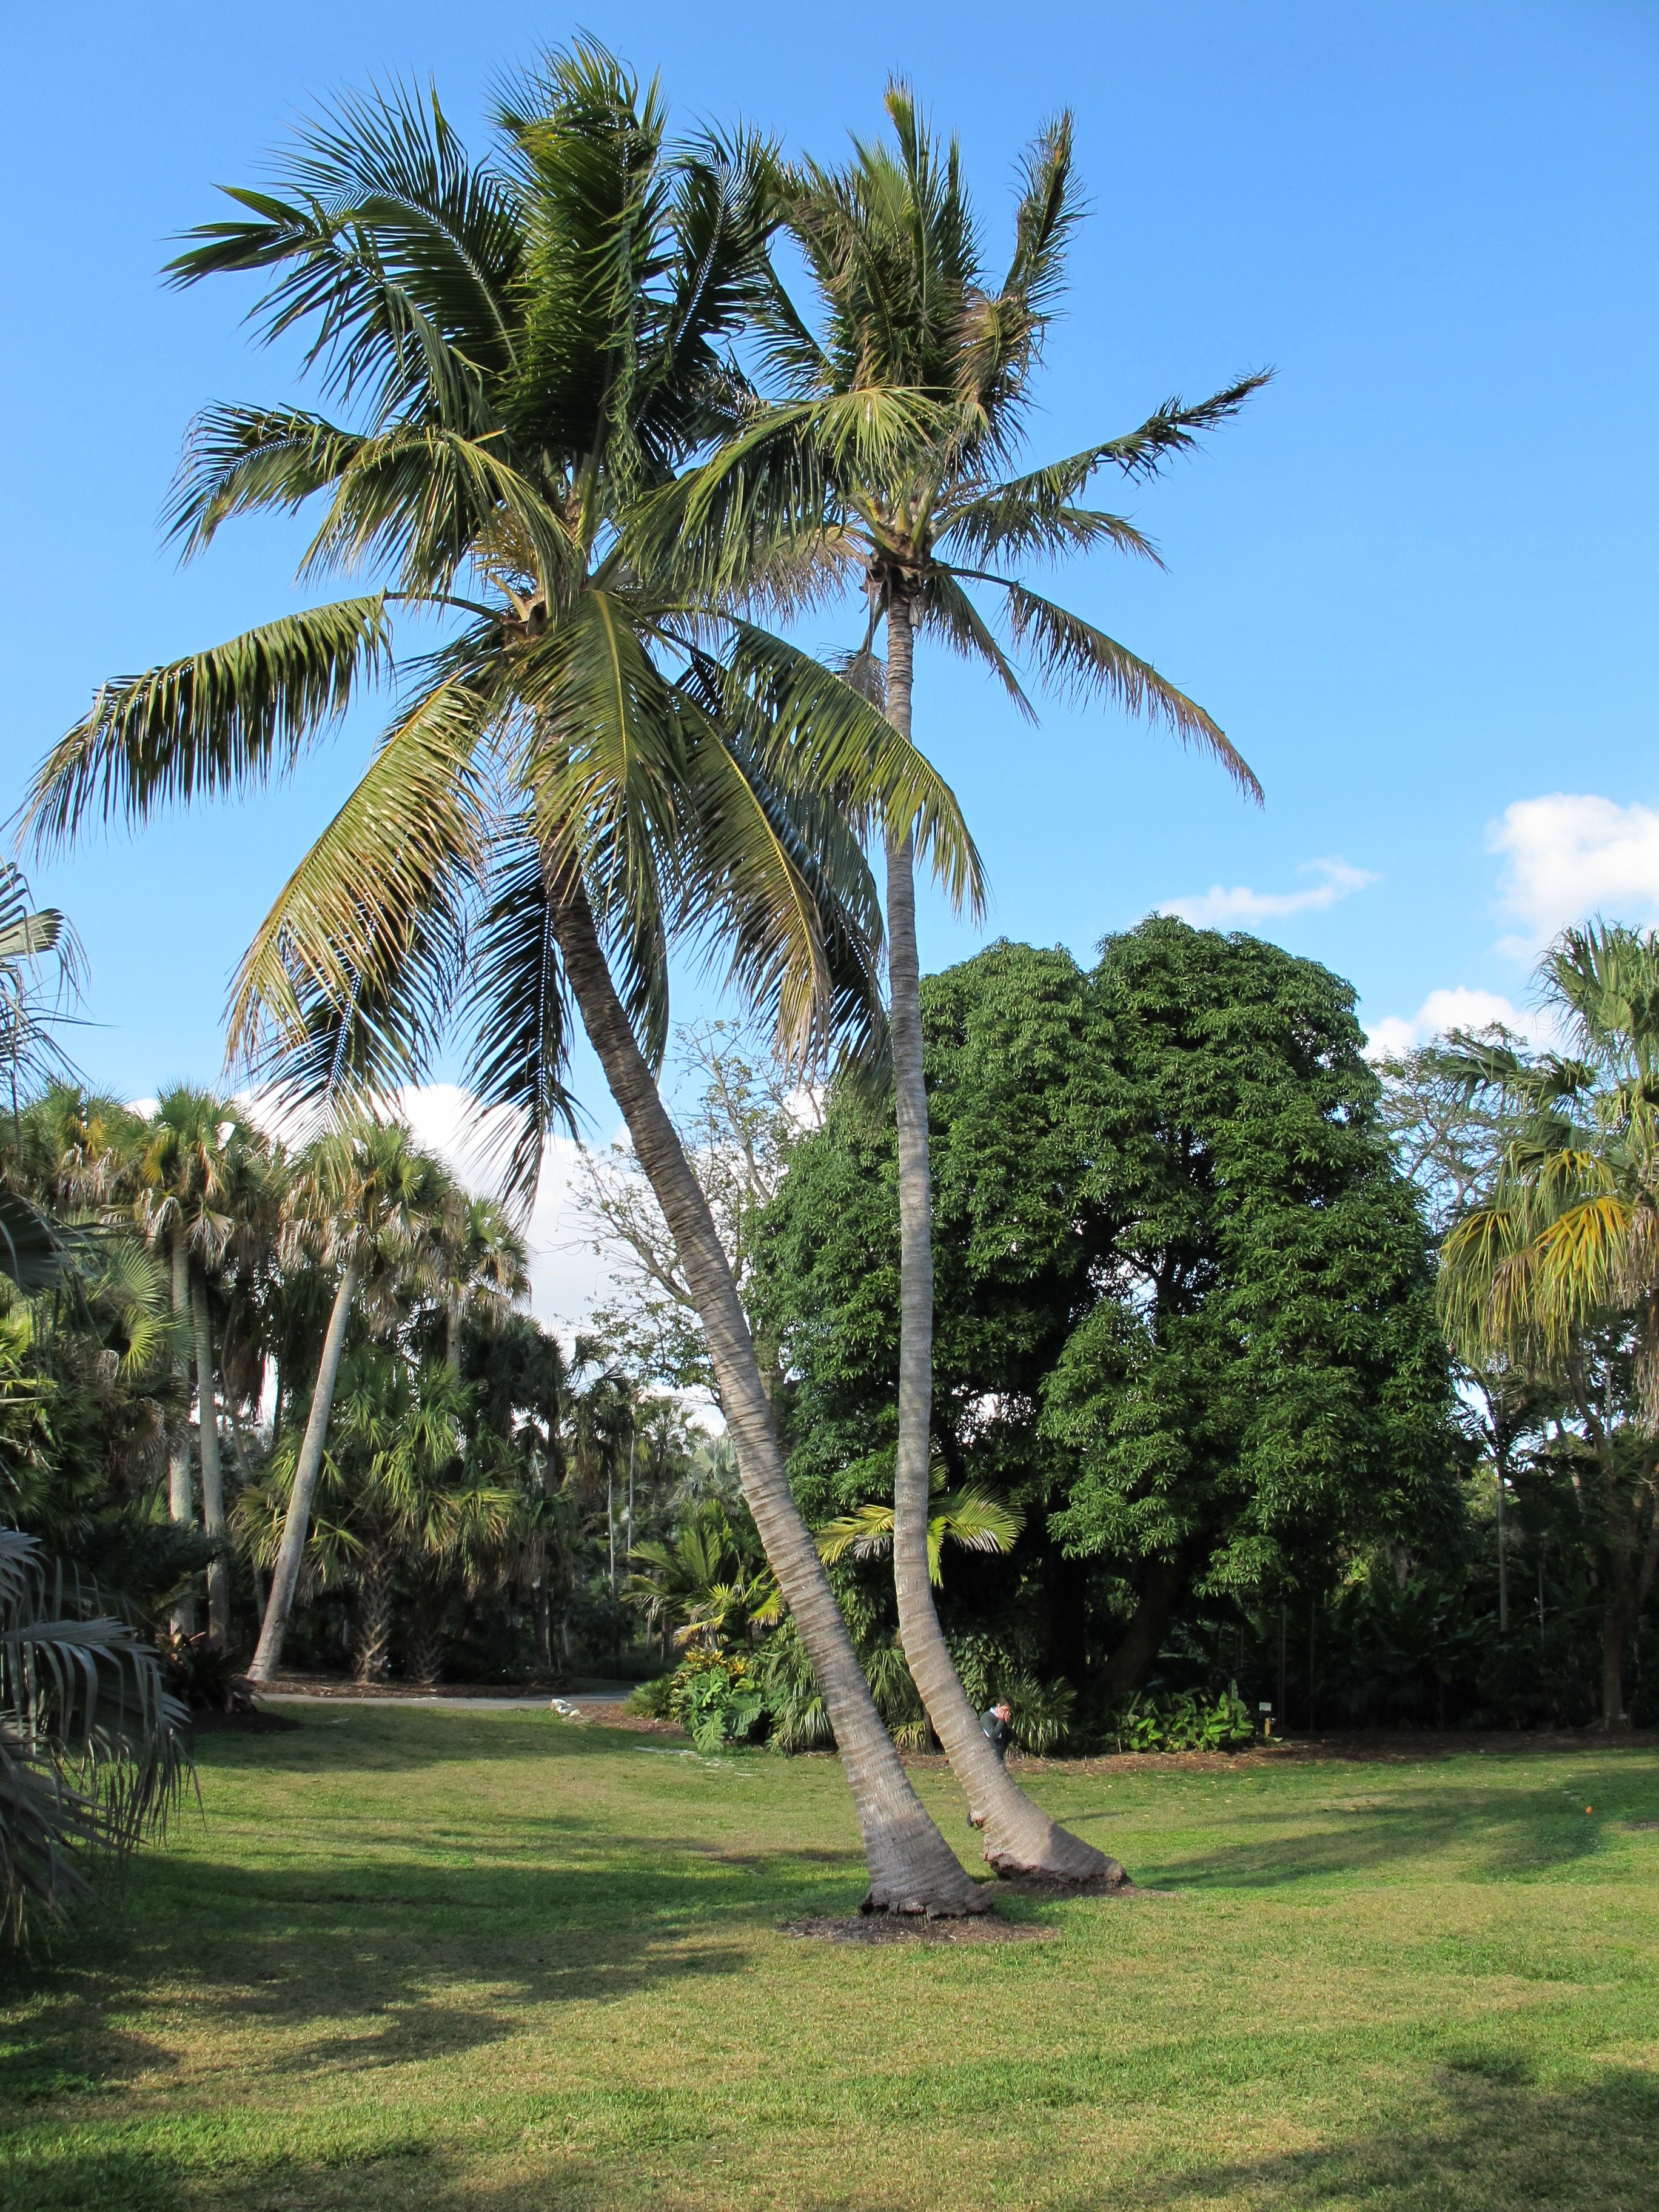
(1020, 1838)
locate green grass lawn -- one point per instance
(491, 1960)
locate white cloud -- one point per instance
(565, 1280)
(1221, 904)
(1572, 855)
(1457, 1008)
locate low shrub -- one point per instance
(715, 1698)
(1042, 1712)
(651, 1700)
(1186, 1721)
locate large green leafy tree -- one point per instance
(598, 758)
(1267, 1383)
(935, 522)
(1186, 1317)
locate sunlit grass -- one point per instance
(489, 1960)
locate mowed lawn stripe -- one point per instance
(494, 1960)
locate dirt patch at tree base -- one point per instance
(1044, 1885)
(916, 1928)
(256, 1723)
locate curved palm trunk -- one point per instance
(1020, 1838)
(180, 1505)
(297, 1522)
(912, 1868)
(213, 1489)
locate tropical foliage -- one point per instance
(92, 1751)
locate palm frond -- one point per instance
(353, 974)
(516, 1010)
(215, 723)
(94, 1753)
(1076, 657)
(1176, 428)
(397, 251)
(821, 737)
(943, 608)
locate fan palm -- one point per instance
(29, 1053)
(1566, 1241)
(703, 1582)
(916, 334)
(598, 760)
(403, 1493)
(481, 1264)
(92, 1752)
(192, 1169)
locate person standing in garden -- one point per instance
(998, 1724)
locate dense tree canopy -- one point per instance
(1185, 1299)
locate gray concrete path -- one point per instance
(583, 1703)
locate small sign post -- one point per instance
(1266, 1712)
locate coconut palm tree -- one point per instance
(595, 760)
(1560, 1262)
(911, 323)
(367, 1206)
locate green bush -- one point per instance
(652, 1700)
(1042, 1711)
(1187, 1721)
(715, 1698)
(798, 1718)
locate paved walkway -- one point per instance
(583, 1702)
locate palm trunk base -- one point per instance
(1022, 1842)
(1064, 1869)
(922, 1878)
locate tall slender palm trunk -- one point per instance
(912, 1868)
(297, 1522)
(1019, 1836)
(213, 1488)
(180, 1505)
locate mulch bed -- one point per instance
(1036, 1885)
(914, 1928)
(210, 1722)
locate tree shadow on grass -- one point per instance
(391, 1739)
(1483, 2138)
(1484, 1834)
(368, 1963)
(1487, 2140)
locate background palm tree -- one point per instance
(1558, 1269)
(191, 1169)
(598, 761)
(915, 332)
(482, 1267)
(395, 1488)
(367, 1204)
(704, 1581)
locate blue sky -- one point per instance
(1416, 582)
